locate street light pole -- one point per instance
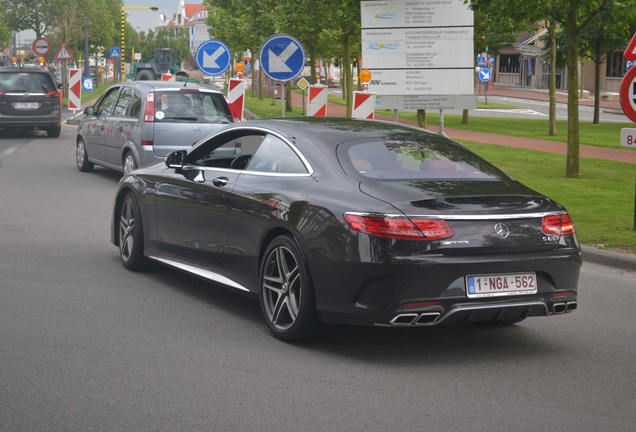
(123, 33)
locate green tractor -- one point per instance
(166, 61)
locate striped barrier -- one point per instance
(236, 98)
(317, 101)
(74, 89)
(363, 105)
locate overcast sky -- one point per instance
(147, 19)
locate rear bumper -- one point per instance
(35, 122)
(431, 289)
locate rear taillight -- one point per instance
(146, 142)
(558, 224)
(400, 228)
(149, 113)
(53, 94)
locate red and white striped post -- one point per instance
(317, 101)
(74, 89)
(363, 105)
(236, 98)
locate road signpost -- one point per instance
(74, 89)
(282, 58)
(213, 57)
(628, 102)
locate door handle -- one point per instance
(220, 181)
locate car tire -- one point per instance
(130, 234)
(129, 164)
(81, 157)
(144, 75)
(286, 292)
(54, 132)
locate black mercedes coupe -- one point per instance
(351, 222)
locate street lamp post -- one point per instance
(123, 33)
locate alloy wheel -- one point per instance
(127, 229)
(282, 288)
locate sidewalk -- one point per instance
(586, 151)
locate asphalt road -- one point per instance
(87, 345)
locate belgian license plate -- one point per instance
(26, 105)
(501, 284)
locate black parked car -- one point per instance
(352, 222)
(29, 100)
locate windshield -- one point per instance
(23, 82)
(418, 156)
(200, 107)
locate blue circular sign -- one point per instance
(213, 57)
(87, 84)
(282, 57)
(485, 75)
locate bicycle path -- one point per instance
(586, 151)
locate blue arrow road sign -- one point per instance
(115, 53)
(282, 58)
(87, 84)
(213, 57)
(484, 75)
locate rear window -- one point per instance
(200, 107)
(419, 157)
(21, 82)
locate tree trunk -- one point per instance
(348, 73)
(552, 129)
(421, 118)
(571, 29)
(288, 96)
(598, 55)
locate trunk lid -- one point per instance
(184, 117)
(485, 216)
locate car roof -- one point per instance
(171, 85)
(25, 68)
(338, 130)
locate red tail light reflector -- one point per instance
(53, 94)
(149, 113)
(401, 228)
(146, 142)
(558, 225)
(421, 304)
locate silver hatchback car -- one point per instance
(138, 123)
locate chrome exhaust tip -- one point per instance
(404, 319)
(559, 308)
(427, 318)
(570, 306)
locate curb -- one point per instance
(607, 258)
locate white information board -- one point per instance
(419, 52)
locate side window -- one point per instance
(275, 156)
(227, 151)
(123, 102)
(135, 106)
(105, 107)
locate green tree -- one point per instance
(574, 17)
(37, 15)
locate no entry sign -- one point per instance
(628, 94)
(41, 46)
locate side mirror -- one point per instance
(89, 111)
(176, 160)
